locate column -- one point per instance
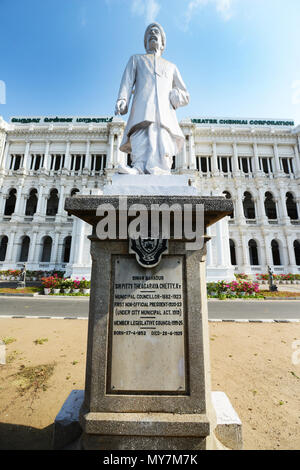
(214, 163)
(46, 163)
(10, 246)
(278, 170)
(291, 251)
(192, 157)
(32, 247)
(3, 164)
(297, 200)
(19, 201)
(72, 251)
(297, 161)
(257, 171)
(245, 251)
(118, 157)
(61, 203)
(235, 166)
(239, 253)
(54, 248)
(59, 256)
(239, 216)
(25, 164)
(3, 198)
(183, 157)
(283, 209)
(67, 156)
(268, 249)
(77, 242)
(262, 253)
(262, 218)
(87, 165)
(220, 254)
(285, 255)
(110, 153)
(40, 209)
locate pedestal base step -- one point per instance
(67, 429)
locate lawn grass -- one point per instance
(25, 290)
(267, 293)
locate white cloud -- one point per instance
(147, 8)
(223, 7)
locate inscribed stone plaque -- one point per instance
(147, 327)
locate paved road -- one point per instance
(50, 306)
(254, 310)
(217, 309)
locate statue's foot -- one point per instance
(158, 171)
(127, 170)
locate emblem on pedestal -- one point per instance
(148, 251)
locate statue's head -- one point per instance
(154, 38)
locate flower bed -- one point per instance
(55, 285)
(236, 289)
(280, 278)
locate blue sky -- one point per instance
(238, 58)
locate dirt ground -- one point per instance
(251, 363)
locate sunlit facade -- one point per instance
(254, 162)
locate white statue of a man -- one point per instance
(152, 134)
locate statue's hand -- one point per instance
(175, 98)
(121, 107)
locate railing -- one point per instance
(273, 222)
(251, 221)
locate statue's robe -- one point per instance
(158, 90)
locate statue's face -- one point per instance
(154, 39)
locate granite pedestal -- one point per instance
(148, 368)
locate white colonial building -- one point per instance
(254, 162)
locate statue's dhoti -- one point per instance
(153, 148)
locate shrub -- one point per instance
(84, 283)
(241, 276)
(75, 283)
(50, 282)
(66, 283)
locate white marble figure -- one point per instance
(152, 134)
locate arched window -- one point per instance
(31, 204)
(291, 206)
(52, 203)
(24, 249)
(46, 249)
(10, 202)
(253, 253)
(275, 253)
(249, 206)
(67, 249)
(3, 247)
(228, 196)
(297, 251)
(232, 252)
(270, 206)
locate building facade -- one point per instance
(256, 163)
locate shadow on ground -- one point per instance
(18, 437)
